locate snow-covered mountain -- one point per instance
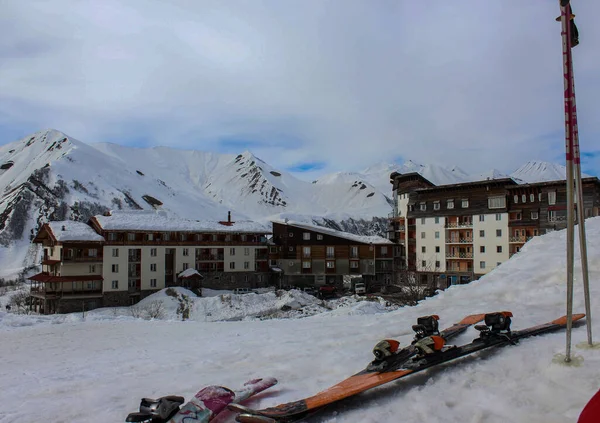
(535, 171)
(51, 176)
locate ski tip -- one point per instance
(563, 320)
(250, 418)
(267, 382)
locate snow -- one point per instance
(95, 368)
(160, 221)
(188, 272)
(537, 171)
(69, 230)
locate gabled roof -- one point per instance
(159, 221)
(397, 175)
(449, 187)
(68, 231)
(363, 239)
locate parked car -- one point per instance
(310, 290)
(360, 288)
(327, 291)
(240, 291)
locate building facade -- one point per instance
(120, 258)
(306, 255)
(456, 233)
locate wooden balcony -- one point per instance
(458, 225)
(459, 241)
(468, 256)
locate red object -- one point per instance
(591, 412)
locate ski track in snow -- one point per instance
(64, 369)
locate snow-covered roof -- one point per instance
(189, 272)
(373, 239)
(69, 230)
(149, 220)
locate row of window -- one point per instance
(306, 236)
(498, 202)
(166, 236)
(185, 266)
(185, 251)
(551, 198)
(437, 264)
(481, 218)
(481, 234)
(481, 249)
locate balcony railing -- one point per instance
(459, 241)
(519, 239)
(210, 257)
(460, 255)
(451, 225)
(81, 258)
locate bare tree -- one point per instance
(20, 303)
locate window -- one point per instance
(305, 251)
(291, 234)
(115, 284)
(306, 236)
(437, 249)
(354, 251)
(246, 251)
(551, 216)
(498, 216)
(499, 248)
(482, 249)
(551, 197)
(232, 251)
(465, 203)
(291, 249)
(534, 215)
(330, 252)
(112, 236)
(330, 264)
(198, 237)
(482, 264)
(272, 263)
(540, 197)
(214, 237)
(423, 206)
(423, 249)
(437, 264)
(152, 283)
(185, 266)
(437, 234)
(498, 232)
(167, 236)
(482, 217)
(92, 268)
(531, 198)
(516, 199)
(115, 268)
(354, 265)
(92, 252)
(246, 265)
(383, 250)
(115, 252)
(423, 263)
(496, 202)
(450, 204)
(152, 252)
(153, 267)
(232, 265)
(186, 252)
(481, 233)
(183, 237)
(437, 220)
(130, 237)
(319, 237)
(422, 235)
(524, 198)
(227, 238)
(436, 205)
(306, 264)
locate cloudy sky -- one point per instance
(312, 86)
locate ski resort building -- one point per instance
(119, 258)
(456, 233)
(307, 255)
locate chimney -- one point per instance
(229, 217)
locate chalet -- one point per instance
(71, 277)
(308, 255)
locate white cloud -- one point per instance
(471, 83)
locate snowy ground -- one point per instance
(63, 369)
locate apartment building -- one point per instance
(121, 257)
(307, 255)
(459, 232)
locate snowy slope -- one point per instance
(86, 364)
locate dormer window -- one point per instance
(130, 237)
